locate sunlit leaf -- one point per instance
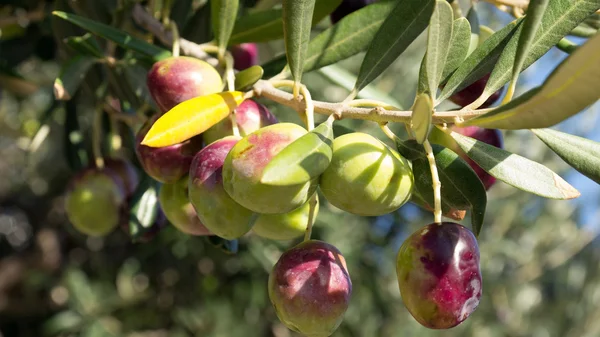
(144, 208)
(515, 170)
(570, 88)
(439, 38)
(191, 118)
(403, 25)
(297, 21)
(459, 46)
(582, 154)
(302, 160)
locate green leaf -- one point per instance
(475, 36)
(515, 170)
(62, 322)
(85, 45)
(479, 63)
(420, 122)
(559, 19)
(348, 37)
(439, 38)
(582, 154)
(274, 66)
(461, 188)
(267, 25)
(119, 37)
(459, 47)
(297, 22)
(304, 159)
(246, 78)
(223, 16)
(570, 88)
(71, 75)
(404, 24)
(144, 208)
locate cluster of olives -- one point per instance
(214, 184)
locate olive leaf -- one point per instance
(302, 160)
(439, 38)
(461, 187)
(515, 170)
(145, 208)
(266, 25)
(447, 210)
(119, 37)
(297, 21)
(191, 118)
(420, 122)
(246, 78)
(558, 20)
(85, 45)
(479, 63)
(582, 154)
(475, 36)
(402, 26)
(569, 89)
(459, 47)
(71, 75)
(223, 16)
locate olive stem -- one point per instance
(310, 108)
(175, 32)
(437, 185)
(388, 132)
(312, 206)
(97, 137)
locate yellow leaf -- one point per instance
(191, 118)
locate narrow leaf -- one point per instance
(348, 37)
(404, 24)
(121, 38)
(479, 63)
(191, 118)
(246, 78)
(439, 38)
(533, 19)
(71, 75)
(420, 122)
(461, 188)
(304, 159)
(582, 154)
(459, 47)
(267, 25)
(475, 39)
(570, 88)
(558, 21)
(144, 208)
(297, 21)
(223, 16)
(85, 45)
(515, 170)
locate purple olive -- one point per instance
(245, 55)
(439, 275)
(348, 7)
(469, 94)
(166, 164)
(177, 79)
(125, 172)
(310, 288)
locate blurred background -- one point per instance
(539, 257)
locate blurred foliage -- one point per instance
(541, 275)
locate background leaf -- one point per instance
(297, 21)
(121, 38)
(85, 45)
(403, 25)
(515, 170)
(479, 63)
(223, 15)
(459, 47)
(144, 207)
(71, 75)
(582, 154)
(439, 38)
(559, 19)
(569, 89)
(267, 25)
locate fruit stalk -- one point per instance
(312, 203)
(437, 185)
(97, 137)
(310, 108)
(175, 32)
